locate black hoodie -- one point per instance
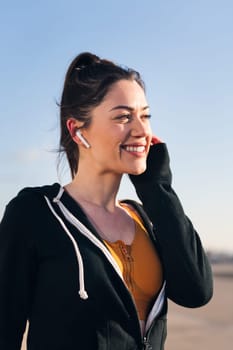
(56, 272)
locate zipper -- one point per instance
(150, 321)
(146, 344)
(156, 308)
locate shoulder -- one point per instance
(40, 191)
(28, 201)
(25, 214)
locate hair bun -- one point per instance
(86, 59)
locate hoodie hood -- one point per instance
(49, 191)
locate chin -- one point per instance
(138, 171)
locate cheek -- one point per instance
(150, 134)
(113, 136)
(107, 137)
(149, 130)
(105, 142)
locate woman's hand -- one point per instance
(158, 169)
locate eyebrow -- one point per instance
(131, 109)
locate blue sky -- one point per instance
(184, 51)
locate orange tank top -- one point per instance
(140, 266)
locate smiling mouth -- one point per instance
(136, 149)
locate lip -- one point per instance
(135, 148)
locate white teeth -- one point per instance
(138, 149)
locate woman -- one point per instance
(86, 270)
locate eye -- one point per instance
(124, 118)
(146, 116)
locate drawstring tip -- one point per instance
(83, 294)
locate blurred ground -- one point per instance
(209, 327)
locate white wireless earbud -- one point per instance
(80, 136)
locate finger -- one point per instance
(155, 140)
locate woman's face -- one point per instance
(120, 132)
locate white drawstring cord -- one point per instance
(87, 233)
(74, 221)
(82, 292)
(58, 197)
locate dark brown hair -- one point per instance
(87, 82)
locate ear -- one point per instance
(72, 125)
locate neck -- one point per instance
(93, 189)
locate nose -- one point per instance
(140, 127)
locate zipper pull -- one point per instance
(146, 344)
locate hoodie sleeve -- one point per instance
(186, 267)
(17, 272)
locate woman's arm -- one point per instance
(186, 267)
(17, 271)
